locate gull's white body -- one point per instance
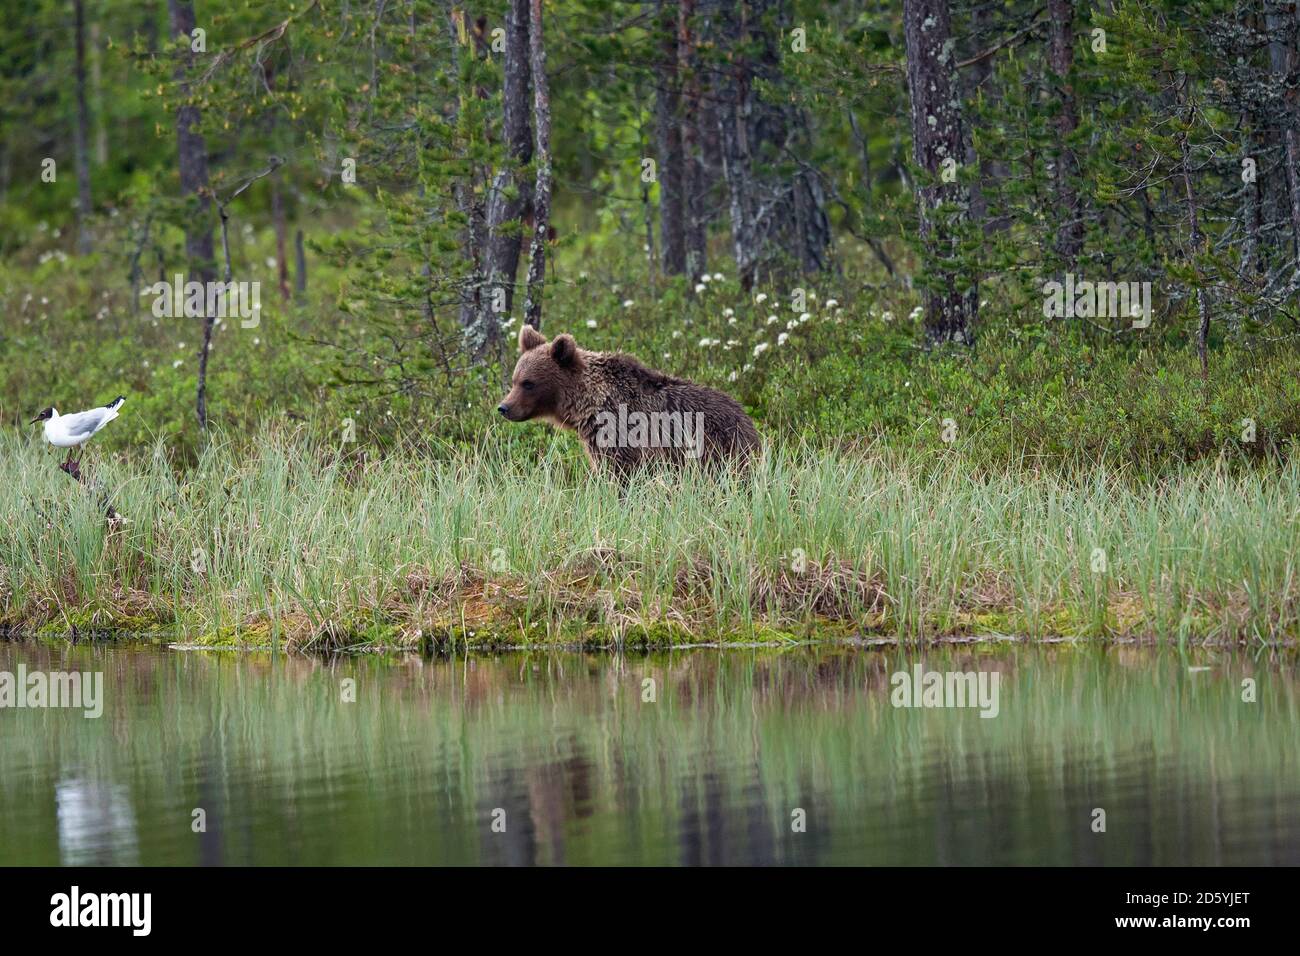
(68, 431)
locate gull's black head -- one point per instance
(44, 415)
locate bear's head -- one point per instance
(544, 373)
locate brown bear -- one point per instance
(626, 414)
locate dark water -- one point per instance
(736, 748)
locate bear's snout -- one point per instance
(504, 409)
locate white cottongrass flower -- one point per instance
(700, 287)
(832, 303)
(732, 376)
(718, 277)
(772, 320)
(728, 312)
(591, 323)
(888, 317)
(178, 363)
(677, 333)
(705, 277)
(746, 368)
(783, 338)
(761, 298)
(760, 348)
(628, 303)
(916, 313)
(731, 321)
(804, 317)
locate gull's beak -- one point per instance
(34, 420)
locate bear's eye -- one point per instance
(528, 386)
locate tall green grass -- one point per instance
(290, 539)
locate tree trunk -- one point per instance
(864, 170)
(992, 171)
(1252, 258)
(693, 174)
(812, 227)
(192, 157)
(936, 137)
(300, 265)
(648, 218)
(668, 141)
(1069, 238)
(278, 224)
(1252, 224)
(542, 190)
(511, 197)
(1194, 228)
(81, 143)
(712, 90)
(776, 196)
(469, 201)
(281, 235)
(737, 170)
(97, 96)
(1285, 59)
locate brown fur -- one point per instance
(571, 387)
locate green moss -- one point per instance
(991, 623)
(259, 635)
(656, 635)
(98, 623)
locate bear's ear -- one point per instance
(565, 351)
(530, 338)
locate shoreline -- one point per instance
(493, 634)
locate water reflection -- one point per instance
(96, 823)
(741, 757)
